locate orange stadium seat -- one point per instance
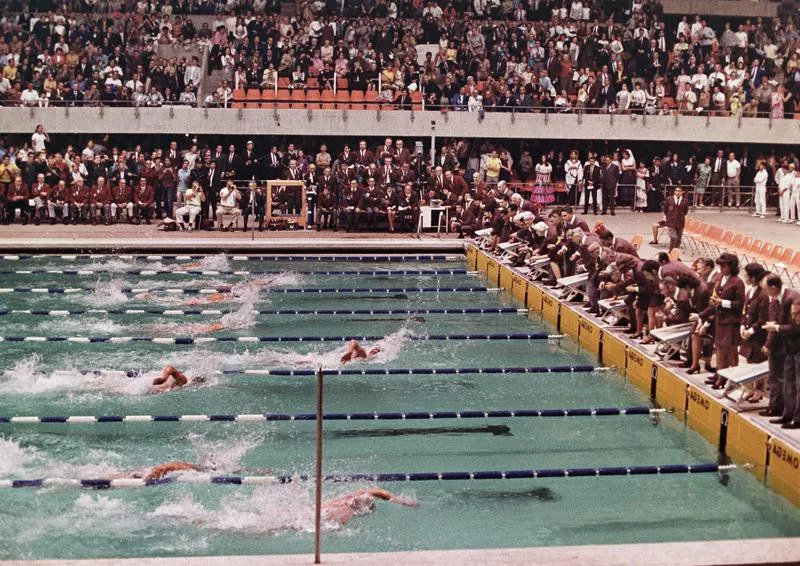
(253, 98)
(312, 82)
(357, 100)
(283, 99)
(328, 100)
(238, 97)
(342, 84)
(283, 82)
(313, 99)
(416, 100)
(371, 100)
(298, 98)
(342, 99)
(268, 98)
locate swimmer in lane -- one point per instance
(356, 352)
(342, 509)
(172, 378)
(176, 466)
(158, 471)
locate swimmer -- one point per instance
(170, 379)
(343, 509)
(356, 352)
(161, 470)
(208, 299)
(158, 471)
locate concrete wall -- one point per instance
(178, 120)
(737, 8)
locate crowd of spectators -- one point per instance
(69, 58)
(356, 185)
(460, 55)
(748, 318)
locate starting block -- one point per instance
(743, 377)
(574, 285)
(671, 338)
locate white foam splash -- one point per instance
(99, 505)
(268, 509)
(223, 456)
(390, 347)
(106, 293)
(27, 377)
(14, 457)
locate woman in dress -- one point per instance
(543, 189)
(701, 180)
(640, 199)
(776, 103)
(627, 181)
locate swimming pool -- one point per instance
(44, 378)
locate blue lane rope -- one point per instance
(228, 289)
(143, 272)
(193, 478)
(290, 312)
(376, 416)
(293, 258)
(187, 340)
(373, 371)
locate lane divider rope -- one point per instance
(195, 257)
(376, 416)
(344, 372)
(228, 289)
(201, 479)
(290, 312)
(143, 272)
(187, 340)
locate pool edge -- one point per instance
(732, 552)
(773, 455)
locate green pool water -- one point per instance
(219, 520)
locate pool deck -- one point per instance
(732, 552)
(129, 238)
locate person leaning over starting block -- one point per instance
(356, 352)
(172, 378)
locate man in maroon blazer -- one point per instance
(456, 184)
(620, 245)
(676, 208)
(783, 350)
(143, 199)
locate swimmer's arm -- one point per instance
(387, 496)
(161, 379)
(180, 378)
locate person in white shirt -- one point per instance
(192, 73)
(760, 182)
(574, 176)
(794, 199)
(786, 178)
(733, 172)
(39, 139)
(29, 96)
(193, 203)
(228, 210)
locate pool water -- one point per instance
(45, 379)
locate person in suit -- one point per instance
(609, 180)
(231, 163)
(783, 351)
(592, 180)
(620, 245)
(272, 163)
(250, 163)
(292, 195)
(349, 206)
(254, 201)
(725, 309)
(570, 221)
(211, 180)
(363, 157)
(456, 184)
(676, 208)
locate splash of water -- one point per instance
(14, 457)
(106, 293)
(27, 376)
(267, 510)
(223, 456)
